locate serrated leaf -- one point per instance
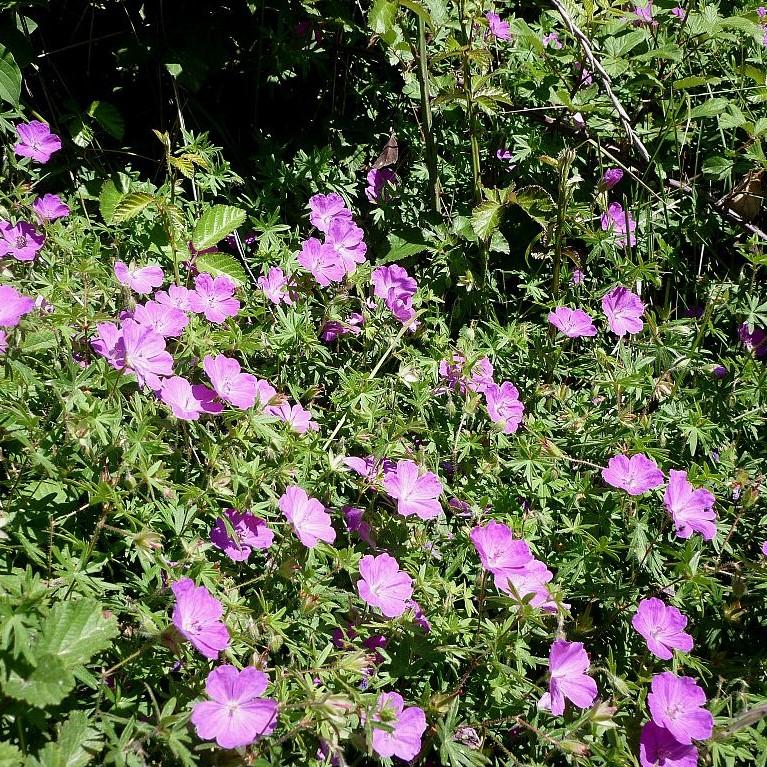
(537, 203)
(215, 224)
(109, 197)
(131, 205)
(221, 263)
(77, 744)
(46, 685)
(184, 164)
(10, 77)
(709, 108)
(486, 218)
(400, 248)
(381, 16)
(108, 117)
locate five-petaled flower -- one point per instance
(568, 664)
(414, 492)
(662, 626)
(384, 585)
(36, 141)
(691, 509)
(21, 241)
(13, 306)
(659, 748)
(574, 323)
(620, 223)
(213, 297)
(49, 207)
(308, 517)
(676, 703)
(623, 310)
(197, 616)
(635, 475)
(141, 280)
(504, 407)
(188, 401)
(230, 383)
(249, 532)
(497, 26)
(406, 726)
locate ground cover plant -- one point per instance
(383, 383)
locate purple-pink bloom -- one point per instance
(679, 12)
(308, 517)
(761, 11)
(415, 493)
(623, 310)
(144, 354)
(529, 585)
(49, 207)
(577, 277)
(659, 748)
(755, 341)
(332, 329)
(3, 342)
(676, 703)
(13, 306)
(265, 392)
(568, 663)
(326, 208)
(498, 28)
(355, 523)
(176, 297)
(197, 616)
(21, 241)
(377, 179)
(187, 401)
(419, 616)
(692, 510)
(213, 297)
(574, 323)
(384, 585)
(109, 344)
(295, 416)
(346, 238)
(275, 287)
(662, 626)
(322, 261)
(236, 715)
(386, 279)
(141, 280)
(619, 223)
(644, 13)
(635, 475)
(552, 39)
(764, 548)
(719, 371)
(249, 532)
(504, 407)
(408, 726)
(233, 386)
(611, 177)
(500, 553)
(165, 320)
(36, 141)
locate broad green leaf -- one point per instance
(10, 77)
(10, 756)
(131, 205)
(418, 9)
(693, 82)
(77, 744)
(709, 108)
(109, 197)
(486, 218)
(537, 203)
(109, 118)
(400, 247)
(215, 224)
(221, 263)
(382, 16)
(46, 685)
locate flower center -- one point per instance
(21, 241)
(673, 711)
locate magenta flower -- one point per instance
(197, 616)
(377, 179)
(369, 467)
(308, 517)
(414, 493)
(408, 726)
(552, 39)
(13, 306)
(584, 77)
(577, 277)
(504, 407)
(109, 344)
(36, 141)
(326, 208)
(681, 14)
(386, 279)
(49, 207)
(644, 13)
(574, 323)
(659, 748)
(213, 297)
(164, 320)
(3, 342)
(529, 585)
(275, 286)
(237, 715)
(662, 627)
(144, 354)
(691, 510)
(322, 261)
(619, 222)
(500, 553)
(612, 177)
(402, 308)
(186, 401)
(265, 392)
(355, 523)
(248, 532)
(346, 238)
(141, 280)
(755, 341)
(624, 311)
(764, 548)
(333, 329)
(237, 388)
(21, 241)
(568, 663)
(676, 703)
(635, 475)
(498, 28)
(176, 297)
(384, 585)
(296, 417)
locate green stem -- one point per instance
(428, 134)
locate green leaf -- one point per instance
(221, 263)
(47, 685)
(131, 205)
(215, 224)
(77, 745)
(108, 117)
(10, 756)
(486, 218)
(10, 77)
(400, 247)
(109, 197)
(709, 108)
(537, 203)
(418, 9)
(76, 631)
(382, 15)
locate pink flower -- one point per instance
(237, 388)
(584, 77)
(764, 548)
(384, 585)
(21, 241)
(500, 553)
(552, 39)
(197, 616)
(377, 180)
(402, 309)
(13, 306)
(36, 141)
(3, 342)
(213, 297)
(419, 616)
(296, 417)
(611, 178)
(322, 261)
(332, 329)
(624, 311)
(577, 277)
(616, 220)
(676, 703)
(659, 748)
(755, 341)
(408, 726)
(635, 475)
(355, 523)
(529, 585)
(144, 354)
(275, 286)
(109, 344)
(187, 402)
(574, 323)
(49, 207)
(165, 320)
(662, 627)
(386, 279)
(237, 715)
(644, 13)
(326, 208)
(176, 297)
(480, 380)
(568, 663)
(346, 239)
(414, 494)
(308, 517)
(504, 407)
(140, 280)
(691, 510)
(265, 392)
(369, 467)
(498, 28)
(681, 14)
(248, 532)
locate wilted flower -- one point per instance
(584, 75)
(419, 616)
(719, 371)
(408, 726)
(574, 323)
(497, 27)
(21, 241)
(307, 516)
(659, 748)
(611, 177)
(377, 180)
(233, 386)
(141, 280)
(635, 475)
(384, 585)
(662, 626)
(755, 341)
(275, 286)
(568, 664)
(213, 297)
(197, 616)
(624, 311)
(691, 510)
(36, 141)
(676, 703)
(577, 277)
(250, 532)
(186, 401)
(504, 407)
(49, 207)
(415, 493)
(13, 306)
(619, 223)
